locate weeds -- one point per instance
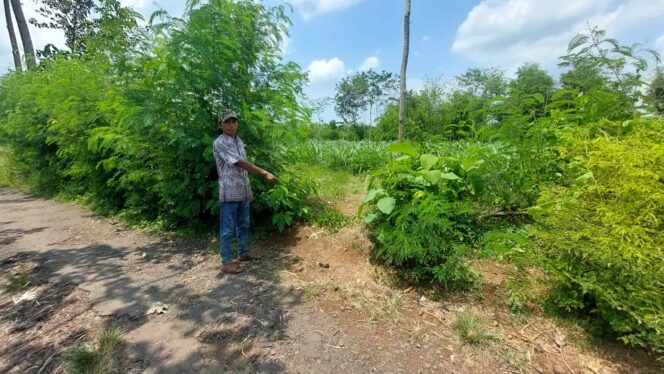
(16, 282)
(471, 329)
(328, 217)
(95, 358)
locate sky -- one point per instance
(332, 38)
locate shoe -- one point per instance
(248, 258)
(232, 268)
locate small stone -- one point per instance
(423, 299)
(324, 265)
(495, 323)
(538, 368)
(558, 369)
(539, 348)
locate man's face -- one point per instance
(229, 127)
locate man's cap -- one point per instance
(225, 115)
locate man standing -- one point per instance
(234, 191)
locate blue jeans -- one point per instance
(234, 218)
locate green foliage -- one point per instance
(352, 156)
(421, 222)
(430, 209)
(471, 328)
(601, 230)
(95, 358)
(287, 200)
(329, 218)
(16, 282)
(361, 91)
(656, 92)
(132, 134)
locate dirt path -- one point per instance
(313, 305)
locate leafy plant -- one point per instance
(601, 231)
(131, 133)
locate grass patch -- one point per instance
(332, 184)
(471, 328)
(16, 282)
(95, 358)
(327, 217)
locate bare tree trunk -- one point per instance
(12, 36)
(23, 30)
(404, 65)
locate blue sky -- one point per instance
(331, 38)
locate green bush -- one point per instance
(428, 210)
(602, 230)
(134, 136)
(422, 223)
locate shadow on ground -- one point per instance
(214, 322)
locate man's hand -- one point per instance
(271, 179)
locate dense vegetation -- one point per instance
(563, 174)
(131, 131)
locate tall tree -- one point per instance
(351, 97)
(70, 16)
(404, 65)
(381, 87)
(23, 30)
(12, 36)
(531, 90)
(485, 83)
(656, 92)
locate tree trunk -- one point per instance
(23, 30)
(404, 65)
(12, 37)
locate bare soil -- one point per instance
(313, 304)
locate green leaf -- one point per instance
(432, 176)
(386, 204)
(585, 178)
(449, 176)
(372, 195)
(371, 218)
(428, 161)
(402, 147)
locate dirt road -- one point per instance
(314, 304)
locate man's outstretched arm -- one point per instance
(253, 169)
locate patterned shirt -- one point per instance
(233, 180)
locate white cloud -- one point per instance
(312, 8)
(371, 62)
(509, 32)
(325, 70)
(426, 38)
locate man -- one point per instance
(234, 191)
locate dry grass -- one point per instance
(471, 328)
